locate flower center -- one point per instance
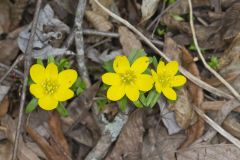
(128, 77)
(50, 86)
(165, 79)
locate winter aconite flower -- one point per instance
(51, 87)
(166, 78)
(128, 80)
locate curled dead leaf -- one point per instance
(57, 133)
(128, 40)
(4, 106)
(148, 8)
(99, 22)
(197, 129)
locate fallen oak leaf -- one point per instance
(99, 22)
(4, 106)
(128, 40)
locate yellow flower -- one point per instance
(166, 78)
(50, 87)
(128, 79)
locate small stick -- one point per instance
(191, 77)
(9, 67)
(218, 76)
(19, 58)
(218, 128)
(26, 73)
(79, 42)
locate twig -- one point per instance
(218, 76)
(114, 35)
(191, 77)
(219, 118)
(218, 128)
(26, 73)
(19, 58)
(79, 42)
(6, 67)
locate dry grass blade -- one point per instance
(218, 128)
(182, 70)
(218, 76)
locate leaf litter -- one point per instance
(169, 130)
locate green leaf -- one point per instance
(39, 61)
(108, 66)
(122, 103)
(51, 59)
(171, 2)
(32, 105)
(152, 98)
(155, 62)
(161, 31)
(214, 62)
(64, 64)
(136, 53)
(102, 103)
(79, 86)
(62, 110)
(177, 17)
(138, 104)
(143, 99)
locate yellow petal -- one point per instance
(144, 82)
(178, 81)
(37, 73)
(51, 71)
(48, 103)
(121, 64)
(161, 67)
(67, 77)
(115, 93)
(172, 68)
(140, 64)
(154, 75)
(111, 79)
(158, 87)
(63, 94)
(36, 90)
(169, 93)
(132, 92)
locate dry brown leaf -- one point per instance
(9, 50)
(69, 5)
(232, 124)
(99, 22)
(17, 10)
(196, 130)
(5, 150)
(128, 40)
(44, 145)
(57, 133)
(4, 16)
(129, 143)
(184, 113)
(98, 10)
(230, 77)
(148, 8)
(210, 152)
(4, 106)
(158, 145)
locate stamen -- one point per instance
(50, 86)
(128, 77)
